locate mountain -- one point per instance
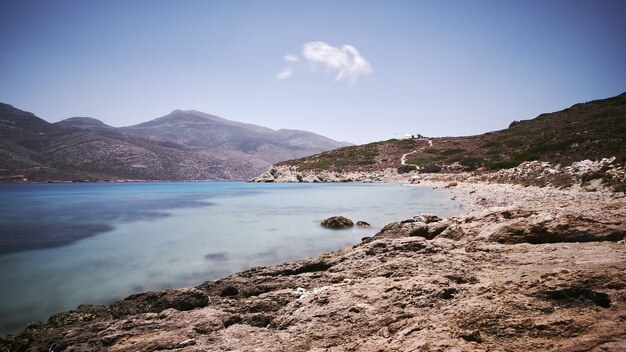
(197, 129)
(591, 130)
(83, 148)
(86, 123)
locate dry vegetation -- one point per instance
(590, 130)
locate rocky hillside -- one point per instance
(592, 130)
(197, 129)
(179, 146)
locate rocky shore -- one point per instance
(287, 173)
(527, 268)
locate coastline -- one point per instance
(470, 282)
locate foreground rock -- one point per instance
(510, 226)
(397, 294)
(337, 222)
(504, 277)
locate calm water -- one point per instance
(62, 245)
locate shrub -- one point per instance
(504, 164)
(318, 165)
(452, 151)
(403, 143)
(432, 168)
(515, 143)
(471, 163)
(418, 161)
(405, 169)
(514, 123)
(525, 156)
(489, 144)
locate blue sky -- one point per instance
(365, 70)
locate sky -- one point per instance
(356, 71)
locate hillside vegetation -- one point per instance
(591, 130)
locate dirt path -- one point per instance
(403, 158)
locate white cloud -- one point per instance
(291, 58)
(346, 61)
(284, 73)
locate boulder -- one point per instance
(337, 222)
(427, 226)
(361, 223)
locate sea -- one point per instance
(62, 245)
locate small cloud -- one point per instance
(284, 73)
(346, 61)
(291, 58)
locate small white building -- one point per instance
(411, 136)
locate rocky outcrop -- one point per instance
(390, 293)
(590, 175)
(424, 225)
(337, 222)
(510, 226)
(586, 172)
(288, 174)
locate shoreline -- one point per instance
(477, 284)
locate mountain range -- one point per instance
(183, 145)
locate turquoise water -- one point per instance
(62, 245)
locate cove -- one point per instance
(62, 245)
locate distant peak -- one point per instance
(89, 123)
(193, 114)
(84, 119)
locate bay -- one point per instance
(62, 245)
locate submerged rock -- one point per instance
(361, 223)
(337, 222)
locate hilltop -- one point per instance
(592, 130)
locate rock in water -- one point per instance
(361, 223)
(337, 222)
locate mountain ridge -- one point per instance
(198, 129)
(172, 147)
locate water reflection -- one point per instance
(63, 224)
